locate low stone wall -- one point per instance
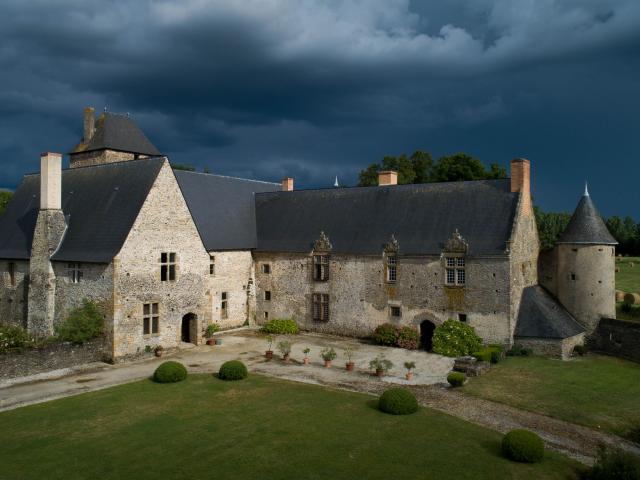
(620, 338)
(550, 347)
(51, 357)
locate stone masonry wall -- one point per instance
(620, 338)
(13, 297)
(98, 157)
(552, 347)
(164, 224)
(360, 299)
(233, 275)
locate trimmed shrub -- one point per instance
(492, 354)
(408, 337)
(455, 339)
(519, 351)
(170, 372)
(523, 446)
(82, 324)
(233, 370)
(385, 334)
(615, 464)
(456, 379)
(483, 355)
(14, 338)
(398, 401)
(281, 326)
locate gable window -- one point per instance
(167, 266)
(224, 310)
(395, 311)
(150, 319)
(75, 272)
(12, 274)
(321, 268)
(212, 265)
(267, 295)
(321, 307)
(455, 271)
(266, 268)
(392, 268)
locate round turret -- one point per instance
(586, 266)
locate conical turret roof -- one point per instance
(586, 225)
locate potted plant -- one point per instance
(348, 352)
(158, 350)
(328, 354)
(218, 341)
(409, 366)
(209, 333)
(306, 355)
(380, 364)
(269, 353)
(285, 349)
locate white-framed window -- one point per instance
(321, 268)
(392, 268)
(75, 272)
(150, 319)
(266, 268)
(321, 307)
(455, 271)
(395, 311)
(212, 265)
(167, 266)
(224, 305)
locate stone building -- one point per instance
(168, 252)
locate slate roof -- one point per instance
(223, 208)
(542, 316)
(114, 131)
(100, 204)
(362, 219)
(586, 226)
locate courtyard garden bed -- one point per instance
(207, 428)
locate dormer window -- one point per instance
(391, 260)
(321, 268)
(455, 269)
(454, 259)
(392, 268)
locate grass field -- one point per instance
(597, 391)
(628, 278)
(256, 428)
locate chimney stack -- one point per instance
(50, 181)
(287, 184)
(387, 177)
(521, 180)
(89, 124)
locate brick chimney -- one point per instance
(387, 177)
(89, 124)
(287, 184)
(50, 181)
(521, 180)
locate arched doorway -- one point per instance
(426, 335)
(188, 332)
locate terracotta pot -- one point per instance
(269, 354)
(211, 341)
(306, 360)
(409, 376)
(350, 366)
(379, 372)
(327, 363)
(218, 341)
(285, 358)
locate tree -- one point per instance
(179, 166)
(550, 227)
(5, 197)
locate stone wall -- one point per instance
(234, 276)
(620, 338)
(552, 347)
(164, 224)
(360, 299)
(98, 157)
(13, 296)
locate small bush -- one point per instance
(455, 339)
(82, 324)
(483, 355)
(523, 446)
(170, 372)
(398, 401)
(328, 354)
(211, 330)
(496, 353)
(408, 337)
(385, 334)
(281, 326)
(233, 370)
(14, 338)
(579, 350)
(519, 351)
(615, 464)
(381, 363)
(456, 379)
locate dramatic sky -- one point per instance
(319, 88)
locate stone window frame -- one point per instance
(267, 295)
(224, 305)
(212, 265)
(393, 309)
(391, 267)
(265, 268)
(150, 319)
(463, 318)
(266, 315)
(74, 271)
(455, 270)
(320, 307)
(321, 262)
(168, 266)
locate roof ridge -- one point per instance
(227, 176)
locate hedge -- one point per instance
(82, 324)
(395, 336)
(281, 326)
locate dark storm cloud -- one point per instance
(315, 89)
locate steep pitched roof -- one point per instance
(541, 316)
(362, 219)
(223, 208)
(586, 226)
(118, 132)
(100, 204)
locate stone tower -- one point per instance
(586, 266)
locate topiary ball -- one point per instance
(456, 379)
(398, 401)
(170, 372)
(523, 446)
(233, 370)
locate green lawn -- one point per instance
(256, 428)
(595, 390)
(628, 278)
